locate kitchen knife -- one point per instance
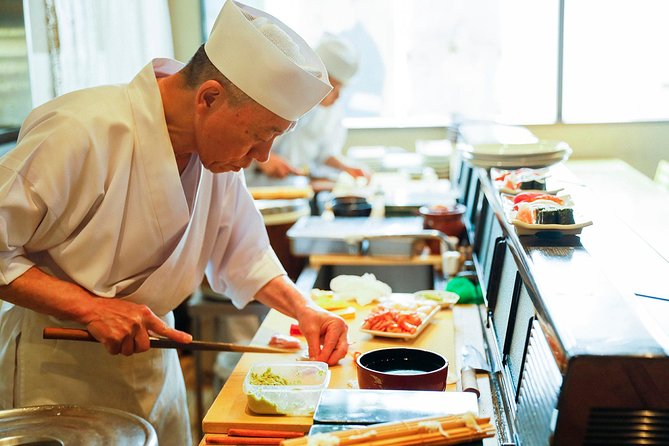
(472, 362)
(76, 334)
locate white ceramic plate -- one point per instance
(540, 148)
(517, 162)
(506, 190)
(406, 336)
(523, 228)
(445, 299)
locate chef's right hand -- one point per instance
(123, 326)
(277, 167)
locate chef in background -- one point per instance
(117, 200)
(314, 146)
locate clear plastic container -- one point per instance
(285, 388)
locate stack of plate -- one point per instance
(372, 157)
(436, 154)
(515, 156)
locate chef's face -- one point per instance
(332, 97)
(230, 136)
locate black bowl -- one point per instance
(400, 368)
(350, 206)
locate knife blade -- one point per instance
(76, 334)
(472, 362)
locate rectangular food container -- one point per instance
(285, 388)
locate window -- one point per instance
(615, 61)
(436, 61)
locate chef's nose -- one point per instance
(260, 152)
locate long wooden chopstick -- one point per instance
(77, 334)
(443, 430)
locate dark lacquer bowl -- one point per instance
(350, 206)
(400, 368)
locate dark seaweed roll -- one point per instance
(566, 216)
(532, 185)
(548, 216)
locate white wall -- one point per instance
(641, 145)
(186, 28)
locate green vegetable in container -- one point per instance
(267, 378)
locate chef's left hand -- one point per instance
(326, 334)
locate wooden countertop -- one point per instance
(447, 331)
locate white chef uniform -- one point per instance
(120, 223)
(317, 136)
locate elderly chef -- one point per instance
(118, 199)
(319, 136)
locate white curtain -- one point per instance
(104, 41)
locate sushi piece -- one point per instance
(566, 216)
(555, 216)
(548, 216)
(534, 184)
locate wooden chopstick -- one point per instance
(446, 430)
(226, 439)
(263, 433)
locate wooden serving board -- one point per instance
(229, 408)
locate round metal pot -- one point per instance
(69, 425)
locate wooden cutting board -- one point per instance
(229, 408)
(280, 192)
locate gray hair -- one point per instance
(200, 69)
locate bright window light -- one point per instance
(616, 67)
(437, 60)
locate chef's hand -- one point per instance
(356, 172)
(325, 333)
(123, 326)
(277, 167)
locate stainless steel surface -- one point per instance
(393, 236)
(72, 425)
(400, 278)
(273, 207)
(472, 361)
(365, 406)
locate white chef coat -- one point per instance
(317, 135)
(92, 195)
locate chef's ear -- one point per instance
(209, 92)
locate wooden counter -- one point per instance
(447, 331)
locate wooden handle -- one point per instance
(68, 334)
(468, 381)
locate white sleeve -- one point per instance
(243, 260)
(21, 213)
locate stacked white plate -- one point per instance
(436, 154)
(372, 157)
(515, 156)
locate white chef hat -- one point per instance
(267, 60)
(339, 56)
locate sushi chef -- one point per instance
(314, 147)
(117, 200)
